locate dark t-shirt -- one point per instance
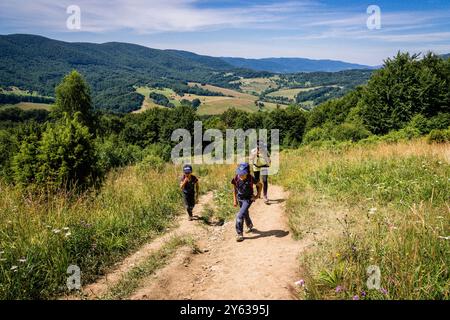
(244, 187)
(189, 188)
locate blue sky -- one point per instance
(316, 29)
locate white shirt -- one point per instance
(259, 159)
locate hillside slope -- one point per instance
(38, 63)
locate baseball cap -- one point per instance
(187, 168)
(243, 168)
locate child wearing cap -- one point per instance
(243, 194)
(190, 187)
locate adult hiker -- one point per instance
(260, 159)
(190, 187)
(243, 194)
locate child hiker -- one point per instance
(243, 194)
(190, 187)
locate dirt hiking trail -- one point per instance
(263, 266)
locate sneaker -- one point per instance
(239, 238)
(191, 218)
(266, 200)
(249, 229)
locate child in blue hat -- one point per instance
(190, 187)
(243, 194)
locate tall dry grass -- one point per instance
(397, 217)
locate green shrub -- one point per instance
(350, 132)
(152, 162)
(64, 156)
(439, 136)
(113, 153)
(315, 134)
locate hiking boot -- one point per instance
(239, 238)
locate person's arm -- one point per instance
(235, 202)
(258, 191)
(197, 190)
(183, 183)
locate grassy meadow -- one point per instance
(210, 105)
(388, 205)
(42, 234)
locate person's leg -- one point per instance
(247, 219)
(266, 184)
(240, 217)
(189, 203)
(257, 175)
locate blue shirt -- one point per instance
(244, 187)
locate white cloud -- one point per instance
(144, 16)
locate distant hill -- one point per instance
(446, 56)
(112, 69)
(293, 65)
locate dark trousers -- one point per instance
(243, 215)
(258, 174)
(189, 203)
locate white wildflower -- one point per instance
(444, 238)
(68, 234)
(14, 268)
(56, 231)
(23, 260)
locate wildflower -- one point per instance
(14, 268)
(300, 283)
(23, 260)
(56, 231)
(68, 234)
(384, 291)
(356, 297)
(2, 252)
(372, 210)
(444, 238)
(66, 229)
(363, 294)
(339, 289)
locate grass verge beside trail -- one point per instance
(397, 218)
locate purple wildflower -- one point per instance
(339, 289)
(356, 297)
(363, 294)
(300, 283)
(384, 291)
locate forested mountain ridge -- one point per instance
(113, 69)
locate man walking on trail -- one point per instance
(260, 158)
(190, 187)
(243, 194)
